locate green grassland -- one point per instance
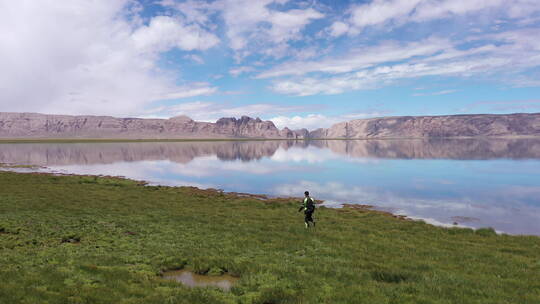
(81, 239)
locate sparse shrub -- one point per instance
(173, 263)
(215, 271)
(486, 231)
(391, 276)
(200, 266)
(71, 238)
(459, 230)
(275, 294)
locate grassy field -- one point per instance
(75, 239)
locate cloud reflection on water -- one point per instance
(474, 211)
(477, 183)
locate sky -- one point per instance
(298, 63)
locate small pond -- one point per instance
(191, 279)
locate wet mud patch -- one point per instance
(191, 279)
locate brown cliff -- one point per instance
(480, 125)
(32, 125)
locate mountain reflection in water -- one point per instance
(476, 183)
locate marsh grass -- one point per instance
(80, 239)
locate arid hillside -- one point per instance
(32, 125)
(481, 125)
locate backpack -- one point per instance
(310, 205)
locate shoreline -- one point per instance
(266, 198)
(135, 140)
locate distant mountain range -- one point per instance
(32, 125)
(474, 125)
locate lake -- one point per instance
(471, 182)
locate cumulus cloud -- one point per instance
(88, 57)
(310, 122)
(338, 28)
(164, 33)
(106, 56)
(315, 121)
(253, 22)
(211, 111)
(252, 26)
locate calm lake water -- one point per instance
(476, 183)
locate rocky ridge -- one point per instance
(33, 125)
(474, 125)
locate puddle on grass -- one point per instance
(191, 279)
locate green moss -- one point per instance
(85, 239)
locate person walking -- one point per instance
(308, 205)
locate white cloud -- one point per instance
(330, 86)
(380, 11)
(506, 55)
(398, 12)
(314, 121)
(443, 92)
(195, 89)
(252, 26)
(198, 59)
(338, 28)
(240, 70)
(312, 86)
(86, 57)
(287, 25)
(193, 11)
(388, 51)
(211, 111)
(164, 33)
(310, 122)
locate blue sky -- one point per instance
(299, 63)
